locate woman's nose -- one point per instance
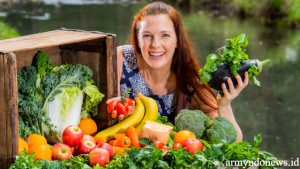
(155, 42)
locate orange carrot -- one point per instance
(131, 132)
(123, 142)
(138, 134)
(120, 135)
(120, 149)
(112, 142)
(100, 139)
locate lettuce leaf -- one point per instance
(92, 99)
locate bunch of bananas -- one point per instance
(145, 109)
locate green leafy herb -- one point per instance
(144, 141)
(25, 161)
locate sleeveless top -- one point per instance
(132, 78)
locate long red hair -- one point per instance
(184, 62)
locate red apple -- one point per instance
(74, 150)
(61, 151)
(72, 136)
(85, 147)
(88, 138)
(107, 147)
(99, 156)
(192, 145)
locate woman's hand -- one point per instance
(233, 91)
(115, 114)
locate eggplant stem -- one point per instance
(265, 62)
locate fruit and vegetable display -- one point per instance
(231, 62)
(56, 129)
(194, 141)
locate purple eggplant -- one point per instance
(223, 72)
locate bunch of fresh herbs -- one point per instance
(233, 55)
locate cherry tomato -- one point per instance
(111, 106)
(158, 144)
(121, 109)
(165, 148)
(176, 145)
(129, 101)
(125, 104)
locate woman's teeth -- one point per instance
(157, 54)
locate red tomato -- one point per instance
(121, 109)
(129, 101)
(165, 148)
(176, 145)
(111, 106)
(125, 104)
(158, 144)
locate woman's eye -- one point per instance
(146, 36)
(166, 35)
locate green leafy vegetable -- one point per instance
(25, 161)
(193, 121)
(93, 98)
(165, 120)
(30, 111)
(233, 55)
(219, 130)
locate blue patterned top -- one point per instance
(132, 78)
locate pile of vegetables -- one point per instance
(219, 130)
(51, 97)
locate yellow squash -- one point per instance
(132, 120)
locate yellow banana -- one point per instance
(151, 110)
(133, 120)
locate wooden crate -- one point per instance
(96, 50)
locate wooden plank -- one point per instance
(112, 80)
(47, 39)
(102, 117)
(12, 118)
(24, 58)
(3, 147)
(88, 46)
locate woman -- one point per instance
(160, 63)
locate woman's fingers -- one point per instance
(114, 114)
(239, 81)
(246, 80)
(225, 91)
(231, 87)
(113, 99)
(130, 109)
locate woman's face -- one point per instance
(157, 40)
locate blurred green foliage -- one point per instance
(7, 32)
(278, 13)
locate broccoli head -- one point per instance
(191, 120)
(219, 130)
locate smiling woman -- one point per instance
(160, 63)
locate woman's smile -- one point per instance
(156, 55)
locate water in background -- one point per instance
(271, 109)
